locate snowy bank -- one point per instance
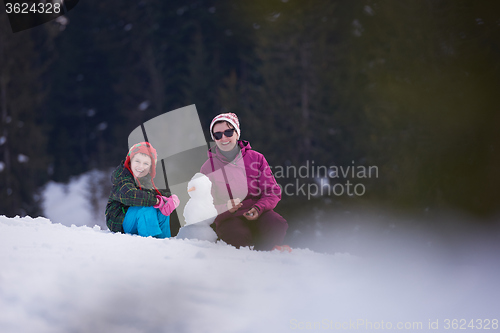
(80, 201)
(56, 278)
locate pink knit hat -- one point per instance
(230, 118)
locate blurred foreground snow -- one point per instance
(403, 273)
(56, 278)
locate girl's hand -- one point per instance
(252, 214)
(159, 202)
(234, 204)
(169, 204)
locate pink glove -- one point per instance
(167, 205)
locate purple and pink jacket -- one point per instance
(248, 177)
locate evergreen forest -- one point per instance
(407, 86)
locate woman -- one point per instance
(244, 189)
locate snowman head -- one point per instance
(199, 187)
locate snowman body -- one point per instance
(199, 212)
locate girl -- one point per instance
(135, 205)
(244, 189)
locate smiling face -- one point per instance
(140, 165)
(225, 143)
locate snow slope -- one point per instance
(56, 278)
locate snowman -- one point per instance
(199, 212)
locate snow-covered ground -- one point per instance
(56, 278)
(61, 278)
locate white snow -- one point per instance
(81, 201)
(21, 158)
(144, 105)
(60, 278)
(55, 278)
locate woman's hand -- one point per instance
(252, 214)
(234, 204)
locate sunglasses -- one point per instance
(228, 133)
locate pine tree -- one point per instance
(23, 162)
(431, 70)
(285, 107)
